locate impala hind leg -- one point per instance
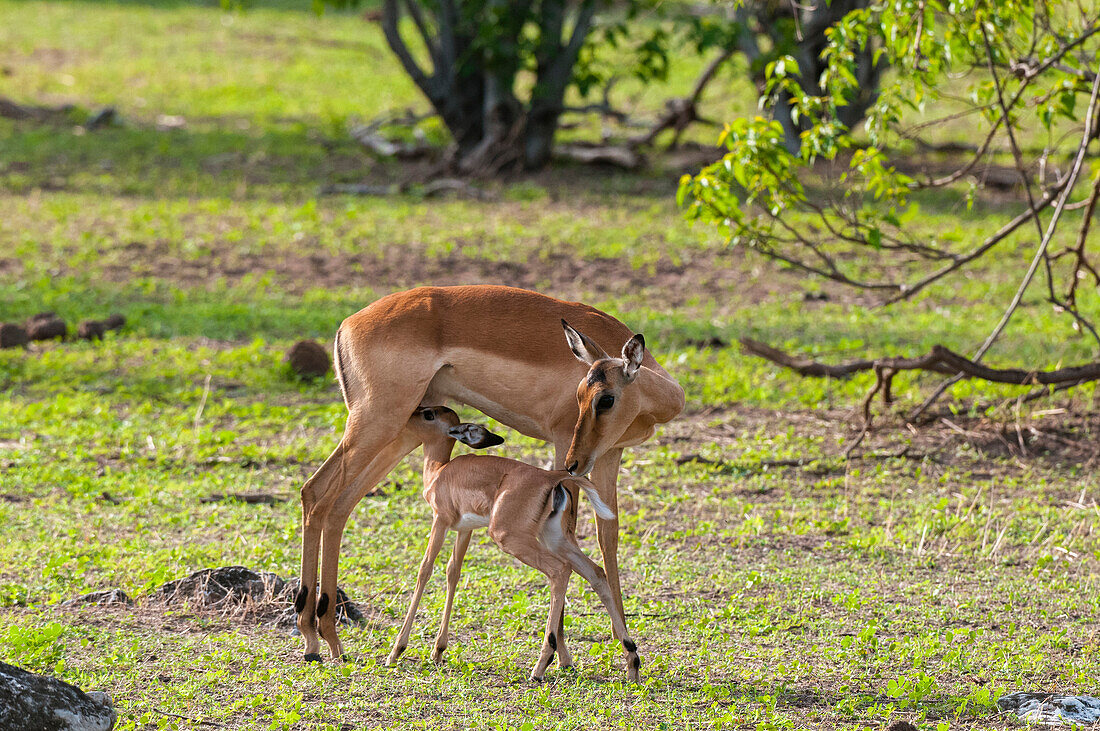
(454, 570)
(332, 530)
(527, 549)
(565, 545)
(435, 543)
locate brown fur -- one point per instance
(498, 349)
(516, 502)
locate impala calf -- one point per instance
(526, 510)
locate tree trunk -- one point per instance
(816, 18)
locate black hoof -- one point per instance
(313, 657)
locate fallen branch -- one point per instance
(370, 136)
(939, 360)
(802, 365)
(681, 113)
(622, 157)
(429, 189)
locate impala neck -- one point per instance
(437, 453)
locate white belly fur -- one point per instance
(471, 521)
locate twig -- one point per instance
(681, 113)
(199, 721)
(802, 365)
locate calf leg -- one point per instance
(526, 547)
(563, 543)
(454, 568)
(435, 542)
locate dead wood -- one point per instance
(429, 189)
(623, 157)
(802, 365)
(939, 360)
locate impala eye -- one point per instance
(605, 402)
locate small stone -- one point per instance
(91, 330)
(114, 322)
(308, 359)
(100, 598)
(12, 336)
(901, 725)
(46, 326)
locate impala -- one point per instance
(526, 510)
(499, 350)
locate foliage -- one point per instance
(477, 54)
(1023, 73)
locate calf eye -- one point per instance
(605, 402)
(429, 415)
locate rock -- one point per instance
(228, 585)
(31, 702)
(1052, 709)
(100, 598)
(91, 330)
(46, 326)
(12, 336)
(901, 725)
(114, 322)
(308, 359)
(265, 593)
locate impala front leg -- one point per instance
(565, 660)
(435, 543)
(605, 476)
(454, 570)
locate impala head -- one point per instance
(438, 423)
(605, 414)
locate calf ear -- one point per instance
(475, 435)
(633, 352)
(583, 347)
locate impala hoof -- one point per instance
(633, 668)
(313, 657)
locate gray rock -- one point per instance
(30, 702)
(262, 593)
(228, 585)
(100, 598)
(1051, 709)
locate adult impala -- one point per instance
(500, 350)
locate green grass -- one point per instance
(762, 595)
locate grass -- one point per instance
(764, 593)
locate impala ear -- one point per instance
(583, 347)
(475, 435)
(633, 352)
